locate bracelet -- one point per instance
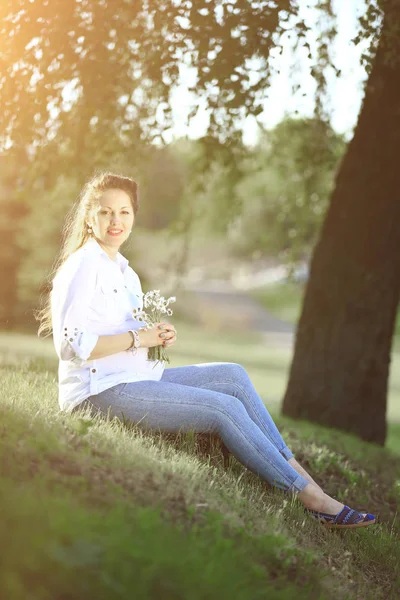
(135, 341)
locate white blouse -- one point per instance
(93, 295)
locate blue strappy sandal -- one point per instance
(347, 518)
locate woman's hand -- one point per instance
(169, 332)
(161, 334)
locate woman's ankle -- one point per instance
(315, 499)
(297, 467)
(312, 497)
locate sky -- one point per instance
(345, 93)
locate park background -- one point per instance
(237, 220)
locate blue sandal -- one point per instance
(347, 518)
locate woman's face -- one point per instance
(112, 220)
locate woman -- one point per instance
(103, 354)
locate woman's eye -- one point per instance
(125, 212)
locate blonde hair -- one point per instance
(75, 232)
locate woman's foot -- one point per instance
(332, 513)
(297, 467)
(347, 518)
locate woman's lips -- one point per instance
(114, 233)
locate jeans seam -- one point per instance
(250, 402)
(259, 453)
(296, 483)
(227, 414)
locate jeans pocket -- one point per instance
(119, 388)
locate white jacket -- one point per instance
(93, 295)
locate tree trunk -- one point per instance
(340, 369)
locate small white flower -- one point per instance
(155, 305)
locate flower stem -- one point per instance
(157, 353)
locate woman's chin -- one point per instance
(113, 240)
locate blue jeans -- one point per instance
(212, 397)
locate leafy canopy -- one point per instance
(102, 68)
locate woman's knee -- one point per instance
(234, 371)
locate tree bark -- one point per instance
(340, 369)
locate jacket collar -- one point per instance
(94, 246)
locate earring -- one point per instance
(89, 229)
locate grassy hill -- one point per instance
(98, 508)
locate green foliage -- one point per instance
(269, 200)
(209, 194)
(119, 61)
(122, 59)
(286, 188)
(88, 86)
(40, 238)
(162, 182)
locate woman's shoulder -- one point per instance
(82, 262)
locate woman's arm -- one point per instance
(111, 344)
(73, 289)
(72, 293)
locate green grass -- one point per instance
(96, 508)
(267, 364)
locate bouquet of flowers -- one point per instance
(156, 306)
